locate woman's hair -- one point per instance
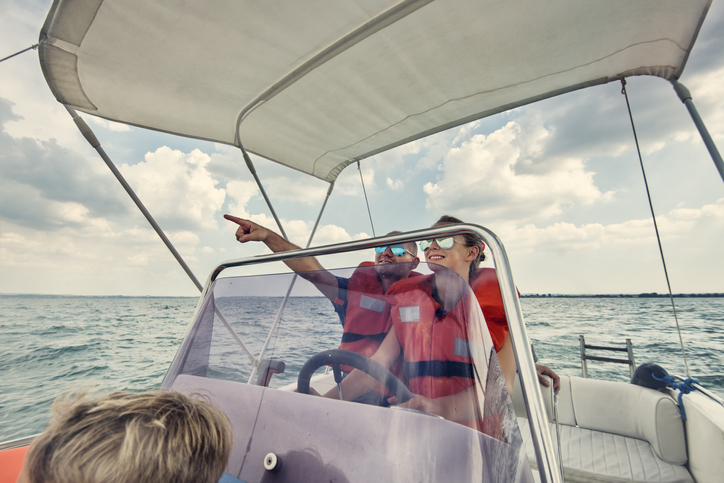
(129, 437)
(470, 241)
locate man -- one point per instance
(360, 300)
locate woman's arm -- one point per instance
(462, 406)
(506, 357)
(358, 383)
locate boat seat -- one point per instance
(613, 432)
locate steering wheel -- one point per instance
(335, 357)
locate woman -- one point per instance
(484, 283)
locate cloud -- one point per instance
(708, 96)
(674, 228)
(177, 189)
(110, 125)
(44, 183)
(309, 191)
(240, 193)
(349, 183)
(711, 213)
(509, 175)
(395, 185)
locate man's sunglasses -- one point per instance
(444, 243)
(397, 250)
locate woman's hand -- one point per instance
(547, 371)
(419, 403)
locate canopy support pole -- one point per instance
(278, 317)
(252, 170)
(32, 47)
(319, 217)
(359, 168)
(685, 97)
(91, 138)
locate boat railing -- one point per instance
(548, 467)
(585, 357)
(702, 390)
(18, 443)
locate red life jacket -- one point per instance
(435, 345)
(367, 319)
(368, 312)
(486, 288)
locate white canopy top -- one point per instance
(316, 85)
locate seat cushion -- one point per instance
(595, 456)
(633, 411)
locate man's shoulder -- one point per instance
(364, 269)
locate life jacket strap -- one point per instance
(439, 369)
(352, 337)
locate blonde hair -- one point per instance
(128, 437)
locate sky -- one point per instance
(558, 181)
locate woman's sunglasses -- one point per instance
(444, 243)
(397, 250)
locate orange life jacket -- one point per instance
(487, 291)
(436, 347)
(367, 319)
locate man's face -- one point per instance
(389, 265)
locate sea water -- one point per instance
(51, 344)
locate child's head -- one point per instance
(131, 437)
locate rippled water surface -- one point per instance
(51, 344)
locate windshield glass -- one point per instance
(256, 334)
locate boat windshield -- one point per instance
(260, 344)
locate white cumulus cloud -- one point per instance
(506, 175)
(177, 188)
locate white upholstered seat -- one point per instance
(595, 456)
(613, 432)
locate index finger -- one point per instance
(236, 219)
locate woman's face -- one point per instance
(457, 258)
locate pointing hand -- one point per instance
(248, 230)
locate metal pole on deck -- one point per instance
(685, 97)
(91, 138)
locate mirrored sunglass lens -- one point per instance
(446, 243)
(397, 250)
